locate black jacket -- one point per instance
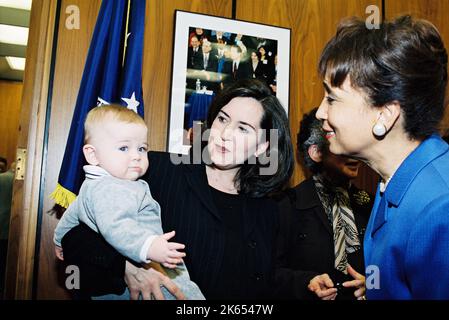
(244, 71)
(187, 207)
(306, 245)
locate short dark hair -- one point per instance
(404, 60)
(258, 54)
(311, 133)
(4, 161)
(248, 179)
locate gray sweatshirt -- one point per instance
(122, 211)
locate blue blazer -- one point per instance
(407, 238)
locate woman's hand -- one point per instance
(148, 282)
(358, 283)
(323, 287)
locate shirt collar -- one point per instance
(95, 172)
(383, 185)
(430, 149)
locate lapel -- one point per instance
(430, 149)
(308, 198)
(380, 217)
(197, 179)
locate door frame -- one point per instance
(31, 137)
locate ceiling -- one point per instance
(13, 17)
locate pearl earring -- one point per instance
(379, 129)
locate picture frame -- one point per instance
(210, 52)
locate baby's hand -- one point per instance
(166, 252)
(59, 254)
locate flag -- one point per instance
(112, 74)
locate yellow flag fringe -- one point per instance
(62, 196)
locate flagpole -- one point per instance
(126, 32)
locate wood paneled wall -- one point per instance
(157, 60)
(312, 24)
(10, 99)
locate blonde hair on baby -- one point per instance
(105, 113)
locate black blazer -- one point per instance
(212, 63)
(244, 71)
(193, 58)
(306, 245)
(188, 208)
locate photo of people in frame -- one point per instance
(217, 58)
(211, 52)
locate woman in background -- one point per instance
(323, 221)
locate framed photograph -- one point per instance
(211, 52)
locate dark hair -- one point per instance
(248, 179)
(4, 161)
(258, 54)
(404, 60)
(311, 133)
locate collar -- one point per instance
(95, 172)
(383, 185)
(430, 149)
(309, 198)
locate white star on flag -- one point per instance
(131, 102)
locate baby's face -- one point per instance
(121, 149)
